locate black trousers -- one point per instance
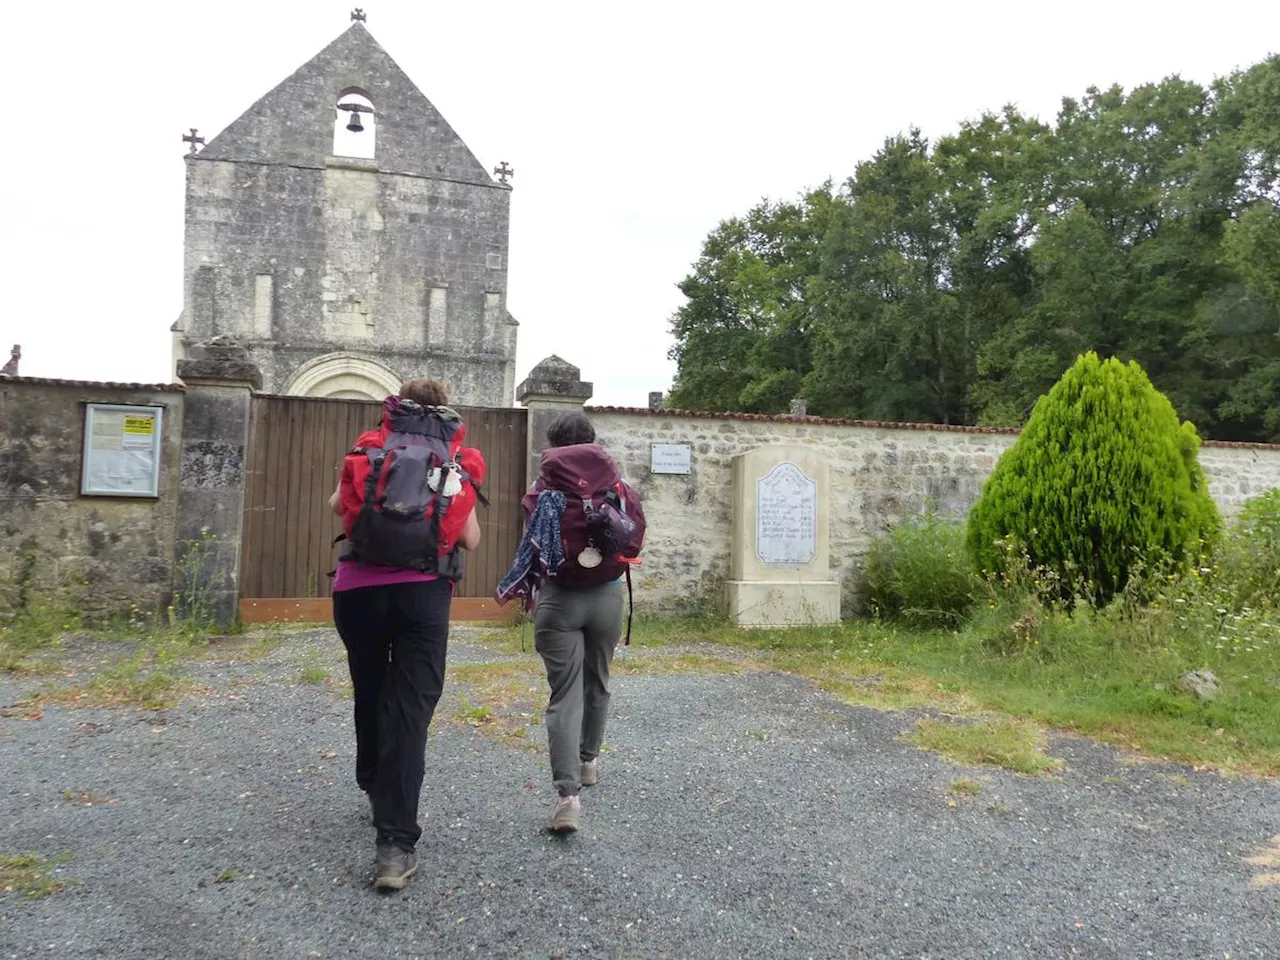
(396, 638)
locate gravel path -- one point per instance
(738, 814)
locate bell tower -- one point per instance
(344, 234)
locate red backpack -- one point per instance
(407, 489)
(603, 524)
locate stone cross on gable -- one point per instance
(11, 368)
(504, 172)
(358, 14)
(192, 139)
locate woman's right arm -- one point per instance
(470, 537)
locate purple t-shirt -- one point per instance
(354, 574)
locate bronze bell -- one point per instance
(354, 124)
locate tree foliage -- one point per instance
(1102, 478)
(953, 282)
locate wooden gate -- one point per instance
(296, 446)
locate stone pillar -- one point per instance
(655, 400)
(799, 408)
(220, 381)
(553, 387)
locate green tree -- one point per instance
(742, 339)
(1103, 477)
(952, 282)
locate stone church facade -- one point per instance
(344, 275)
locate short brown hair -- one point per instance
(569, 429)
(429, 393)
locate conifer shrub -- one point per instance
(1103, 480)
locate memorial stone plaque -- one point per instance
(671, 458)
(786, 516)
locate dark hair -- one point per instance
(570, 428)
(429, 393)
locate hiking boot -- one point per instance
(393, 868)
(565, 819)
(590, 772)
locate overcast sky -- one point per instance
(633, 130)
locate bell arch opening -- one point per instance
(355, 128)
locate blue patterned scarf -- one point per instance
(541, 549)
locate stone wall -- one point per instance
(879, 475)
(100, 554)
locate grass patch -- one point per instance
(1267, 860)
(148, 678)
(1001, 743)
(1109, 674)
(502, 700)
(31, 875)
(314, 671)
(1100, 675)
(964, 787)
(86, 798)
(32, 638)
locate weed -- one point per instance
(196, 567)
(920, 573)
(760, 735)
(1001, 743)
(474, 714)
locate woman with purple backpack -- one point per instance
(584, 528)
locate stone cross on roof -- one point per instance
(358, 14)
(192, 139)
(504, 172)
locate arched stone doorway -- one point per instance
(344, 376)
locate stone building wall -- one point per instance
(99, 554)
(879, 475)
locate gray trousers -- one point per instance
(575, 632)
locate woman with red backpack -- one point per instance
(584, 528)
(407, 498)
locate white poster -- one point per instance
(121, 450)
